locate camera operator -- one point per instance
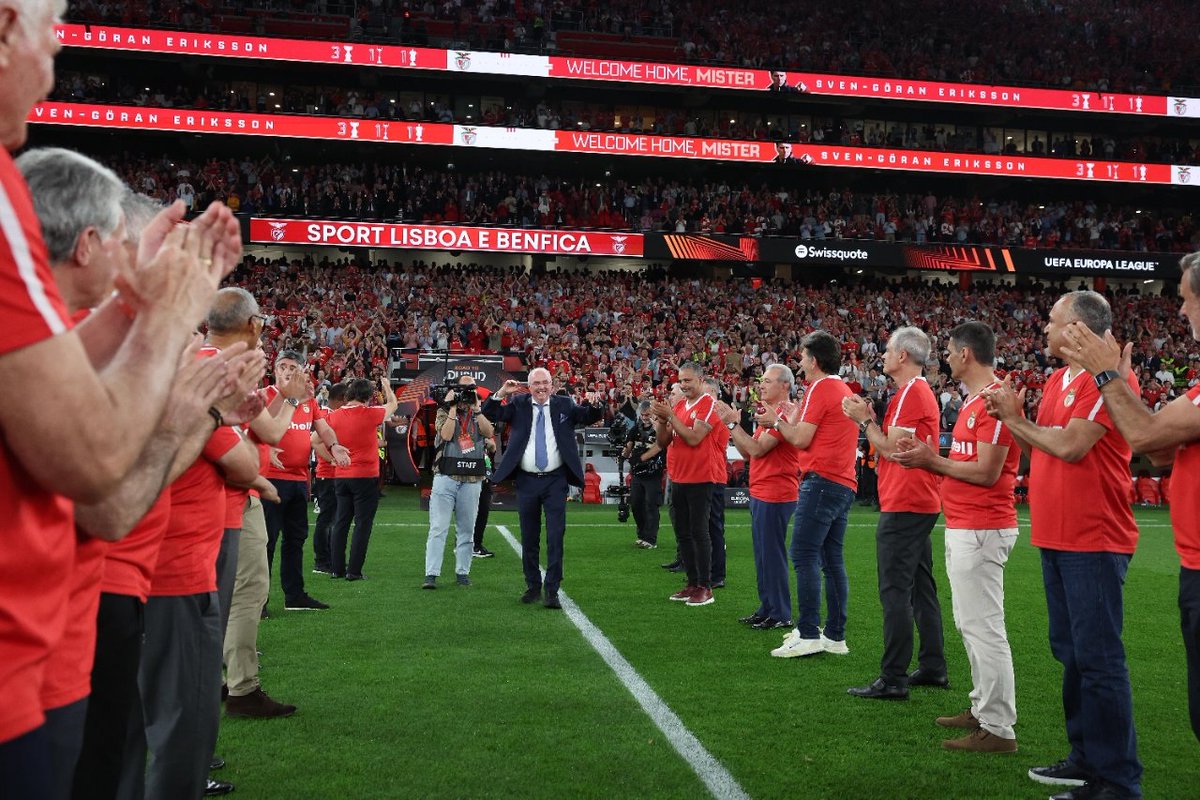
(459, 472)
(647, 463)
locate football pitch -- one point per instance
(463, 692)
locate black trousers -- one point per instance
(907, 592)
(326, 495)
(357, 500)
(481, 516)
(115, 705)
(716, 531)
(537, 494)
(25, 766)
(645, 497)
(227, 558)
(1189, 617)
(693, 503)
(289, 518)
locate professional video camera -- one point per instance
(463, 395)
(618, 433)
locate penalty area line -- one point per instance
(721, 784)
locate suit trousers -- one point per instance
(180, 682)
(538, 494)
(716, 532)
(908, 593)
(64, 733)
(326, 495)
(693, 506)
(357, 501)
(288, 518)
(114, 705)
(250, 588)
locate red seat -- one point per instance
(591, 485)
(1148, 491)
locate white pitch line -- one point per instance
(721, 784)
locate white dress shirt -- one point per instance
(553, 457)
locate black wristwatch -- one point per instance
(862, 426)
(1106, 376)
(292, 401)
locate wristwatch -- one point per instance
(862, 426)
(291, 401)
(1106, 376)
(731, 425)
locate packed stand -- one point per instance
(414, 194)
(626, 337)
(1089, 45)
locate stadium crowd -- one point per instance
(676, 120)
(626, 334)
(410, 193)
(1089, 45)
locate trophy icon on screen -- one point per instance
(348, 50)
(420, 131)
(1087, 99)
(1090, 165)
(353, 130)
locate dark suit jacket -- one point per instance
(565, 417)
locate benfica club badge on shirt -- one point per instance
(1069, 400)
(971, 421)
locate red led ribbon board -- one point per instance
(783, 156)
(444, 237)
(260, 48)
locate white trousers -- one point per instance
(975, 562)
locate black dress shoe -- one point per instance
(552, 601)
(217, 788)
(216, 764)
(769, 624)
(532, 595)
(920, 677)
(879, 690)
(753, 619)
(674, 565)
(677, 568)
(718, 584)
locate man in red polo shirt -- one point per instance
(909, 506)
(1081, 520)
(289, 516)
(1170, 436)
(63, 393)
(828, 450)
(774, 483)
(691, 452)
(981, 529)
(356, 425)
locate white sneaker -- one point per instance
(798, 647)
(791, 636)
(835, 647)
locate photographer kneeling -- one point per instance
(459, 471)
(646, 464)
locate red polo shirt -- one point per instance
(914, 406)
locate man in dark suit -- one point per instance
(544, 460)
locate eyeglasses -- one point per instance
(262, 321)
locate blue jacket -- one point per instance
(565, 417)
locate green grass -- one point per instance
(466, 693)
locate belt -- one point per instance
(545, 474)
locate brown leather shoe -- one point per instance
(966, 720)
(981, 741)
(258, 704)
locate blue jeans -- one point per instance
(817, 540)
(1084, 593)
(768, 530)
(461, 498)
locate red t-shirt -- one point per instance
(1185, 497)
(832, 451)
(129, 563)
(693, 464)
(69, 668)
(775, 477)
(968, 505)
(37, 540)
(325, 469)
(914, 406)
(1081, 507)
(296, 444)
(718, 467)
(357, 429)
(187, 560)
